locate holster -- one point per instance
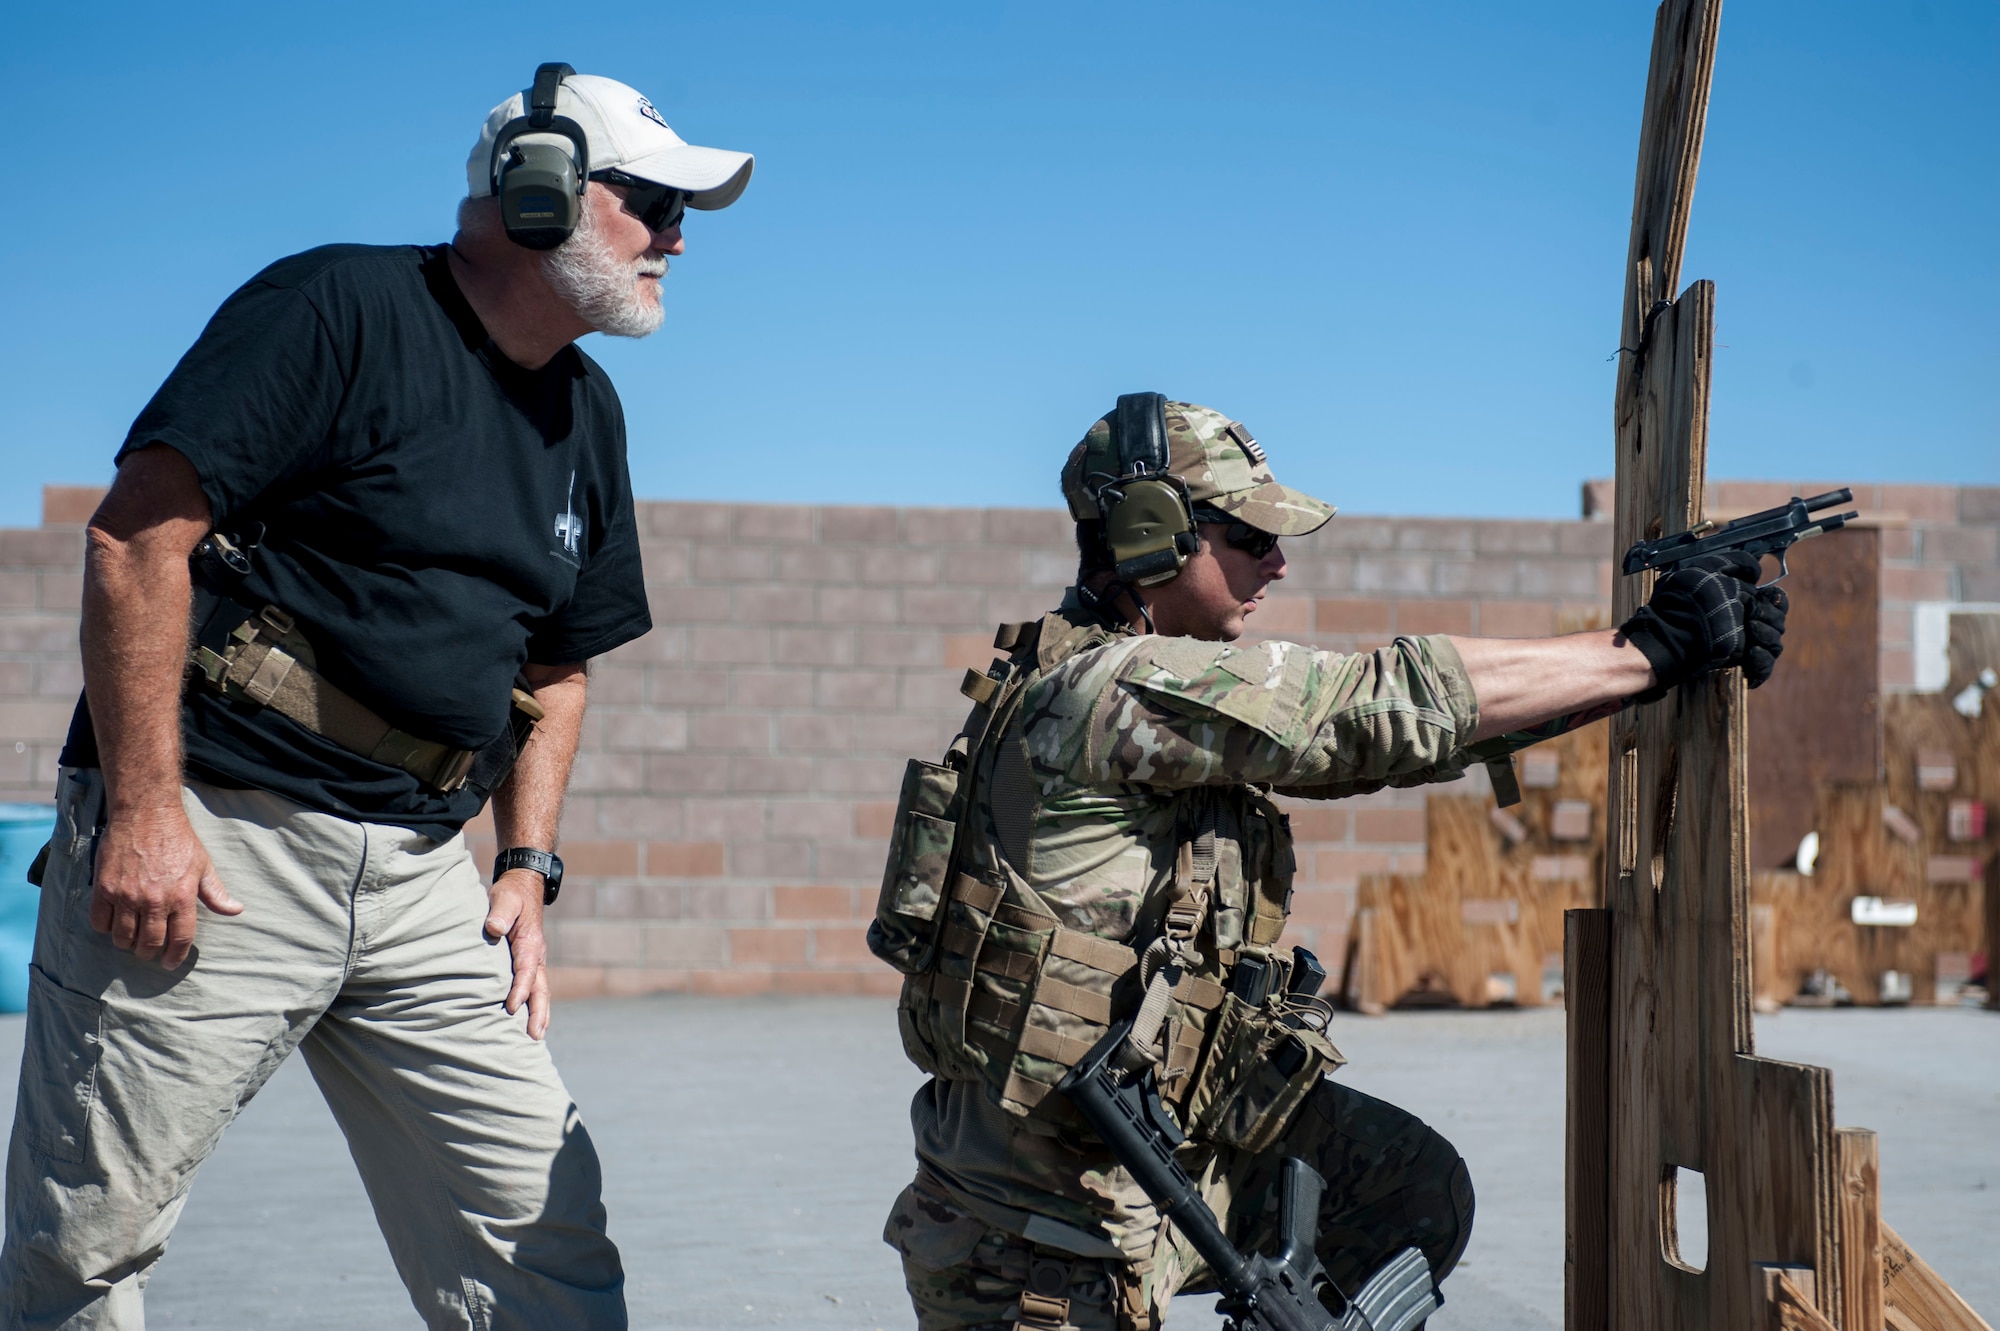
(258, 655)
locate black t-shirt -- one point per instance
(434, 516)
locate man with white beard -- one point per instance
(361, 546)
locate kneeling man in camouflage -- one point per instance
(1099, 852)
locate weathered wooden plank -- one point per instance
(1860, 1230)
(1680, 1011)
(1788, 1300)
(1586, 1185)
(1780, 1201)
(1670, 134)
(1916, 1292)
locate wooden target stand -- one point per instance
(1662, 1070)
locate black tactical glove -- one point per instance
(1707, 614)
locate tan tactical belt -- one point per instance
(270, 663)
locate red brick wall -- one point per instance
(731, 800)
(728, 815)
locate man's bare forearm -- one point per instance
(135, 626)
(527, 809)
(1524, 682)
(151, 869)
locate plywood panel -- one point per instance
(1917, 1296)
(1861, 853)
(1818, 719)
(1813, 924)
(1974, 646)
(1491, 899)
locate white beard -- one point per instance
(606, 292)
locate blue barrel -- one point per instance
(24, 828)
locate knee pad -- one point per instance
(1440, 1203)
(1459, 1187)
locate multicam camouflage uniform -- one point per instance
(1112, 749)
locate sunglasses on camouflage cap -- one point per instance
(659, 206)
(1253, 541)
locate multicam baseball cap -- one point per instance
(1222, 465)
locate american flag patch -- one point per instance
(1249, 445)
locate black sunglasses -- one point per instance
(1253, 541)
(659, 206)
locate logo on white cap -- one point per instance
(646, 110)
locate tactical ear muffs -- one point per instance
(540, 187)
(1146, 512)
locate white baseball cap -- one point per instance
(625, 134)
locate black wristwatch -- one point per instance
(544, 862)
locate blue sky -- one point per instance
(1387, 236)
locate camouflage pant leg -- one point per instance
(965, 1275)
(1391, 1182)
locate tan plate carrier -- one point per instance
(1000, 990)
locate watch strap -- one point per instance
(543, 862)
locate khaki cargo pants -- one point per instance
(1391, 1182)
(362, 944)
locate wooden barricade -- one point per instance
(1662, 1071)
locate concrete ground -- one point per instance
(752, 1147)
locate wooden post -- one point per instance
(1860, 1229)
(1586, 1188)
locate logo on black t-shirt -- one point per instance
(569, 529)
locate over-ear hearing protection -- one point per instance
(540, 186)
(1147, 515)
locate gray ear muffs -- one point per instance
(1146, 511)
(540, 187)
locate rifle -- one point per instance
(1772, 532)
(1259, 1293)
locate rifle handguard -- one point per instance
(1259, 1293)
